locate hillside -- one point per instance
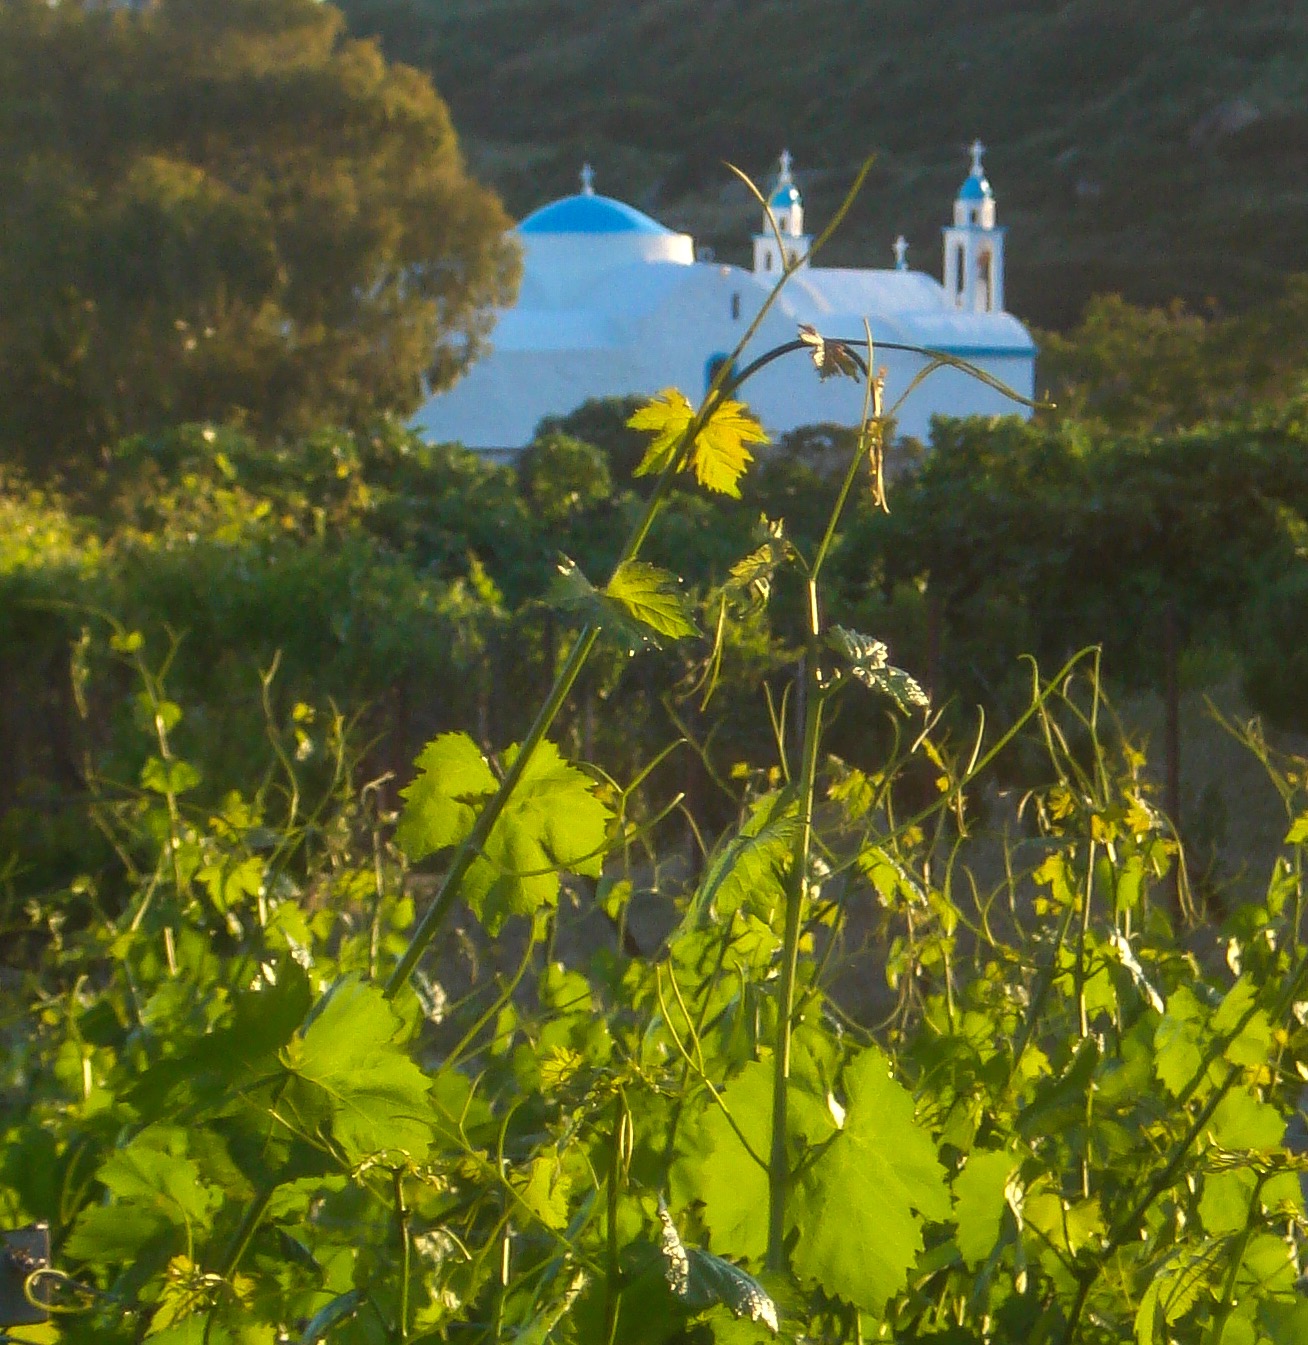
(1157, 152)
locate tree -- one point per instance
(1135, 369)
(224, 208)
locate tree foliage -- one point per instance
(213, 209)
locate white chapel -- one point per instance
(612, 303)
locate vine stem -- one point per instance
(406, 1252)
(797, 883)
(796, 891)
(613, 1266)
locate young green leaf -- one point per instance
(747, 867)
(861, 1205)
(667, 416)
(354, 1080)
(543, 1189)
(1243, 1121)
(650, 596)
(720, 452)
(715, 1166)
(980, 1197)
(169, 777)
(553, 822)
(156, 1187)
(750, 578)
(640, 604)
(441, 805)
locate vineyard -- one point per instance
(933, 1038)
(674, 888)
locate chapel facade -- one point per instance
(613, 303)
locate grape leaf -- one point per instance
(701, 1279)
(354, 1080)
(1224, 1206)
(1254, 1041)
(441, 805)
(667, 416)
(747, 867)
(571, 591)
(169, 777)
(1269, 1266)
(552, 822)
(155, 1187)
(861, 1204)
(720, 453)
(650, 596)
(869, 663)
(750, 578)
(1242, 1121)
(980, 1195)
(1178, 1041)
(715, 1167)
(1148, 1316)
(543, 1189)
(232, 1057)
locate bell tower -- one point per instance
(785, 211)
(974, 246)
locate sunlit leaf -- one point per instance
(552, 823)
(881, 1172)
(155, 1187)
(441, 805)
(667, 416)
(980, 1197)
(651, 597)
(169, 777)
(720, 453)
(356, 1079)
(746, 869)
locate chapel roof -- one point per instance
(587, 213)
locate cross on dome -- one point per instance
(587, 180)
(901, 253)
(977, 149)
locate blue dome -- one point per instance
(584, 214)
(976, 188)
(785, 196)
